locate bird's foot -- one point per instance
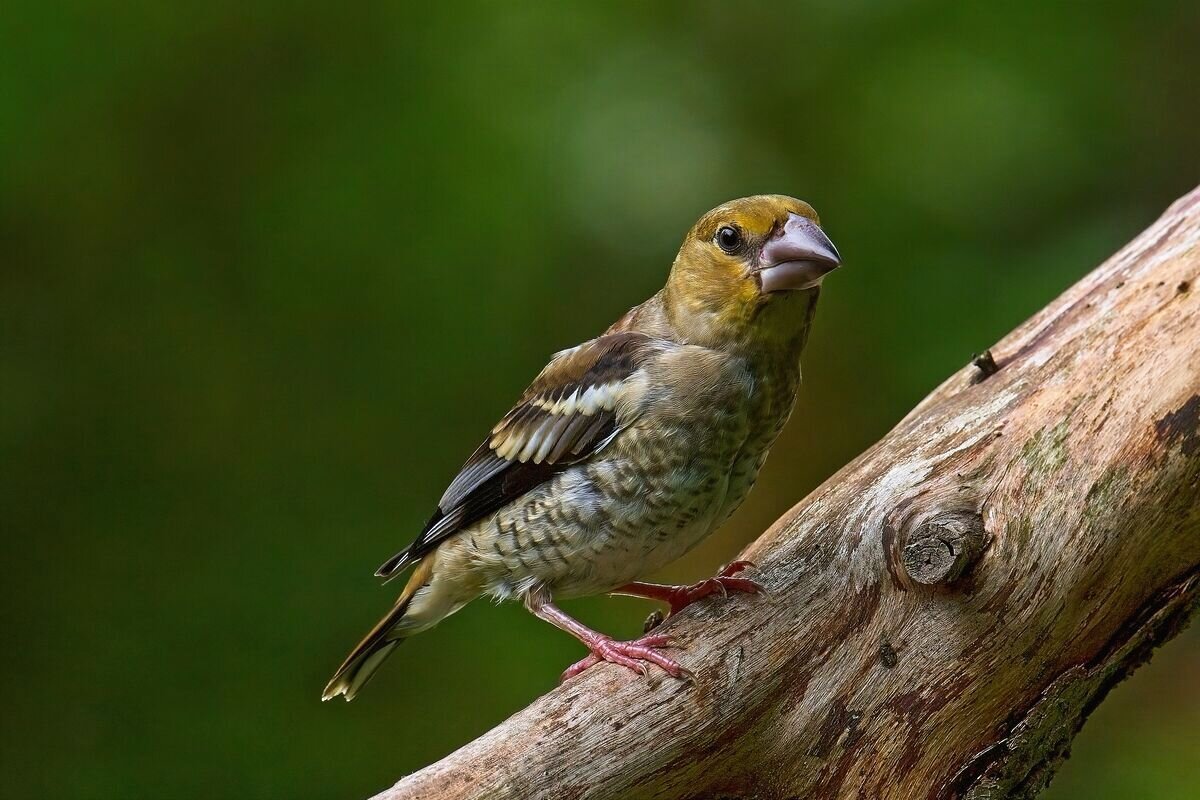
(633, 655)
(723, 583)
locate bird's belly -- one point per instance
(600, 525)
(642, 544)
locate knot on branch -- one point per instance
(942, 549)
(926, 543)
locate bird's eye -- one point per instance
(729, 238)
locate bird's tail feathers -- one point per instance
(377, 645)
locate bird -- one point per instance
(627, 450)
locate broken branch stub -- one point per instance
(942, 550)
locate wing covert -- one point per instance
(570, 411)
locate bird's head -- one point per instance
(749, 269)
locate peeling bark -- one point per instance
(946, 610)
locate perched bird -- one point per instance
(629, 449)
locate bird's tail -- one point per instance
(377, 645)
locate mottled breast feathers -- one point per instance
(570, 411)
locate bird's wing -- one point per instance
(569, 412)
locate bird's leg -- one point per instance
(680, 597)
(633, 655)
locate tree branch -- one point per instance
(946, 611)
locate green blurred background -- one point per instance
(270, 270)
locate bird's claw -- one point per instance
(635, 655)
(734, 567)
(723, 583)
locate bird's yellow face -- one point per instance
(744, 257)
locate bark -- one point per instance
(946, 610)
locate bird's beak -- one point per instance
(797, 257)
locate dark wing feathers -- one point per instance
(482, 465)
(567, 413)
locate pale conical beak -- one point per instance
(797, 257)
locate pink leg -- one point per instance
(680, 597)
(633, 655)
